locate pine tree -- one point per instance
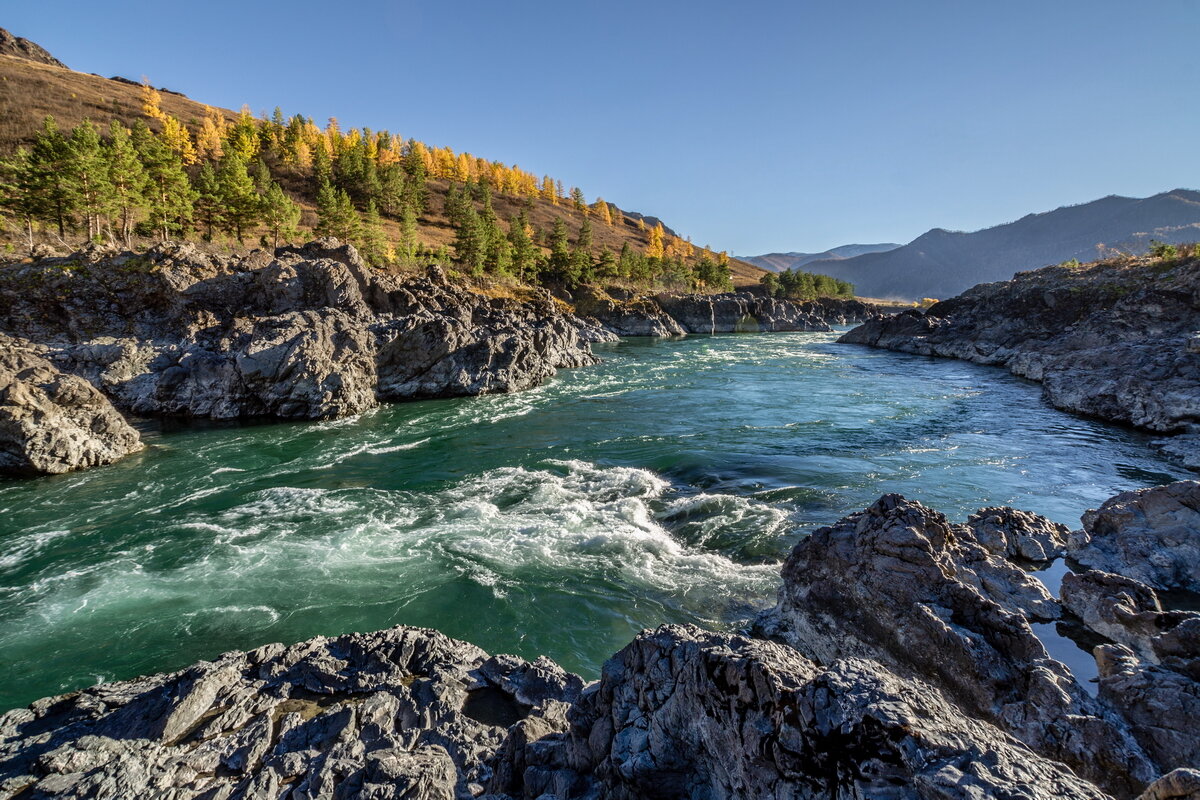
(577, 199)
(581, 256)
(49, 165)
(280, 214)
(210, 210)
(607, 266)
(127, 177)
(239, 196)
(524, 251)
(169, 192)
(336, 215)
(471, 241)
(19, 191)
(559, 265)
(373, 242)
(391, 189)
(408, 231)
(88, 174)
(414, 166)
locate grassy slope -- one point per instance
(29, 91)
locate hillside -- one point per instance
(778, 262)
(942, 263)
(31, 88)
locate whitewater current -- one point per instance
(663, 485)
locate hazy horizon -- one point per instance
(732, 125)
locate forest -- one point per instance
(249, 179)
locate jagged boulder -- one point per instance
(682, 712)
(52, 422)
(900, 584)
(403, 713)
(1150, 535)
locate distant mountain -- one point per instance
(778, 262)
(23, 48)
(944, 263)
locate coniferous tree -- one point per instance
(209, 207)
(49, 165)
(655, 248)
(336, 215)
(373, 242)
(280, 214)
(524, 251)
(127, 179)
(88, 175)
(20, 192)
(607, 266)
(416, 193)
(577, 199)
(391, 189)
(408, 231)
(242, 205)
(559, 264)
(169, 194)
(471, 241)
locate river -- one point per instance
(662, 485)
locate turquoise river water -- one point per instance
(664, 484)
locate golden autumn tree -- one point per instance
(602, 211)
(655, 248)
(209, 143)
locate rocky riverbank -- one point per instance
(306, 333)
(1115, 340)
(901, 661)
(667, 314)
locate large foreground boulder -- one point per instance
(403, 713)
(51, 422)
(684, 713)
(900, 584)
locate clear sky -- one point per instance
(751, 126)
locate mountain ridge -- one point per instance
(944, 263)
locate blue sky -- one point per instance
(755, 126)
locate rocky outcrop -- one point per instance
(900, 584)
(1151, 674)
(23, 48)
(51, 422)
(682, 713)
(669, 314)
(305, 333)
(403, 713)
(1150, 535)
(1110, 340)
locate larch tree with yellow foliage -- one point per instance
(655, 249)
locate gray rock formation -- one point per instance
(681, 713)
(403, 713)
(309, 333)
(1150, 535)
(900, 584)
(1110, 340)
(51, 422)
(669, 314)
